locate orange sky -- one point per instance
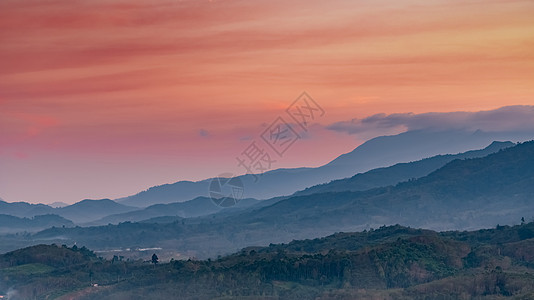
(104, 98)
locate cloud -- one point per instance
(508, 118)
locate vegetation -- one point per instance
(391, 262)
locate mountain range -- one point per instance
(202, 206)
(104, 211)
(84, 211)
(12, 224)
(378, 152)
(399, 172)
(465, 193)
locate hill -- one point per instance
(392, 262)
(91, 210)
(11, 224)
(200, 206)
(24, 210)
(84, 211)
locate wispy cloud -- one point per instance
(508, 118)
(134, 82)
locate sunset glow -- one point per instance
(104, 98)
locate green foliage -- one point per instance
(27, 270)
(392, 262)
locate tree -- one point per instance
(155, 259)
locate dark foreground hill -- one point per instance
(387, 263)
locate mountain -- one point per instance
(80, 212)
(463, 194)
(11, 224)
(400, 172)
(379, 152)
(58, 204)
(199, 206)
(390, 262)
(90, 210)
(168, 193)
(84, 211)
(24, 210)
(468, 193)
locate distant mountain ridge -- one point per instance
(495, 188)
(12, 224)
(199, 206)
(24, 209)
(84, 211)
(104, 211)
(202, 206)
(378, 152)
(399, 172)
(89, 210)
(464, 194)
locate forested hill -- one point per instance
(386, 263)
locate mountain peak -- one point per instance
(498, 144)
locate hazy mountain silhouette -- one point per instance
(107, 211)
(12, 224)
(400, 172)
(89, 210)
(379, 152)
(24, 209)
(470, 193)
(463, 194)
(199, 206)
(83, 211)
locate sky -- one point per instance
(103, 99)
